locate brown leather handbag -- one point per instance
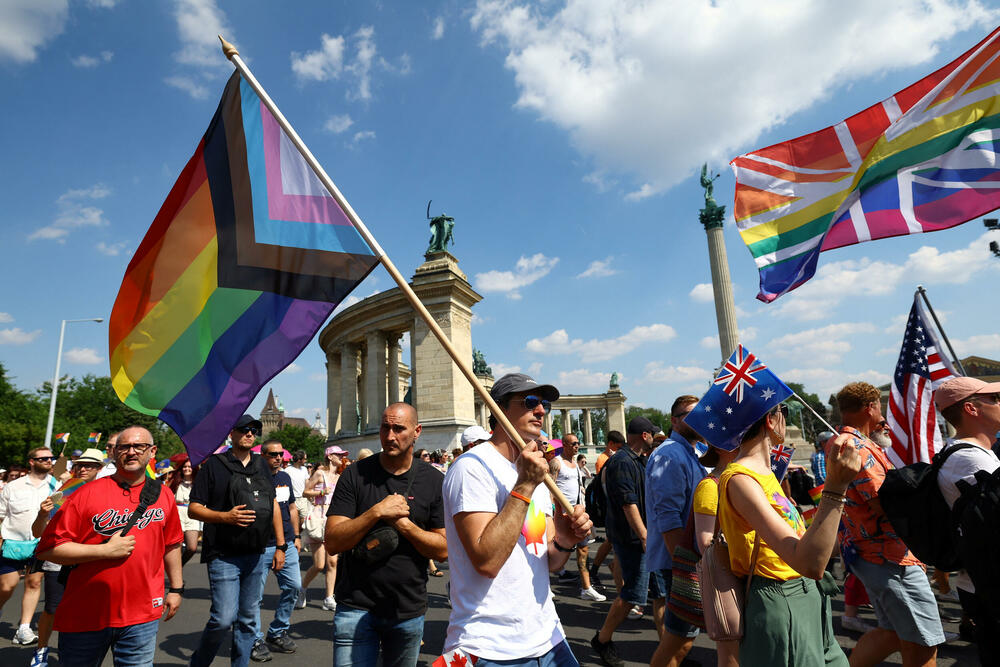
(723, 593)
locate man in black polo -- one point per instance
(382, 596)
(626, 526)
(234, 496)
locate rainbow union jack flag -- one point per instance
(925, 159)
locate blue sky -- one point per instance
(564, 137)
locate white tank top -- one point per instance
(568, 480)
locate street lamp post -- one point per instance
(55, 378)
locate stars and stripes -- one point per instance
(921, 368)
(739, 372)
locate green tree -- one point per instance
(22, 421)
(811, 426)
(300, 437)
(658, 417)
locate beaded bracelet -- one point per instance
(836, 497)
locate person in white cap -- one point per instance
(473, 436)
(973, 408)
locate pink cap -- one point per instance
(960, 388)
(335, 449)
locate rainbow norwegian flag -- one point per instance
(245, 260)
(925, 159)
(94, 438)
(62, 438)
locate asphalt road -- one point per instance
(312, 628)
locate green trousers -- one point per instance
(789, 623)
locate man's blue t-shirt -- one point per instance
(286, 498)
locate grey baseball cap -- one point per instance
(514, 383)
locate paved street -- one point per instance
(312, 628)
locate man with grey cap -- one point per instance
(625, 484)
(973, 408)
(505, 538)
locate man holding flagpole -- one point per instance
(505, 540)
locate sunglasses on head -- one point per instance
(531, 402)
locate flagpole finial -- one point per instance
(228, 49)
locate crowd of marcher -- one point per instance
(107, 541)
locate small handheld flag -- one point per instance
(62, 438)
(456, 658)
(151, 469)
(816, 494)
(743, 392)
(94, 439)
(781, 456)
(809, 514)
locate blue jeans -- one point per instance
(131, 645)
(289, 582)
(235, 586)
(358, 634)
(560, 656)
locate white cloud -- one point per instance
(526, 271)
(746, 335)
(362, 64)
(83, 60)
(499, 370)
(199, 22)
(6, 317)
(347, 303)
(437, 32)
(102, 4)
(649, 88)
(709, 342)
(188, 85)
(337, 124)
(73, 213)
(323, 64)
(87, 356)
(26, 25)
(976, 345)
(584, 380)
(348, 57)
(656, 372)
(599, 268)
(292, 368)
(559, 342)
(702, 293)
(16, 336)
(317, 377)
(826, 381)
(823, 346)
(110, 249)
(362, 136)
(477, 319)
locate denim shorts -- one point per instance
(636, 586)
(560, 656)
(7, 565)
(903, 600)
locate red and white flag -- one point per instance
(456, 658)
(922, 367)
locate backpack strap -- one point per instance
(149, 494)
(943, 455)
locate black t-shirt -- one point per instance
(397, 588)
(286, 497)
(209, 489)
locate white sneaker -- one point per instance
(856, 624)
(329, 604)
(41, 658)
(591, 594)
(24, 636)
(300, 602)
(635, 612)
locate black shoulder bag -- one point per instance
(382, 540)
(148, 496)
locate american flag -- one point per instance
(920, 370)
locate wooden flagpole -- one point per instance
(233, 55)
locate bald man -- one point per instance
(382, 592)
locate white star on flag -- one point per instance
(768, 393)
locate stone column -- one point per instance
(333, 393)
(588, 433)
(616, 410)
(548, 423)
(375, 381)
(567, 422)
(393, 343)
(349, 389)
(722, 286)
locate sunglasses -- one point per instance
(43, 458)
(139, 448)
(989, 398)
(783, 409)
(273, 455)
(249, 429)
(531, 402)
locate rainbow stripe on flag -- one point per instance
(816, 494)
(151, 469)
(94, 438)
(245, 260)
(809, 514)
(62, 438)
(67, 489)
(922, 160)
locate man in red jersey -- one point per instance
(114, 597)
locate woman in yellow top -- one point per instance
(787, 618)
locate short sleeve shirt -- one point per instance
(867, 530)
(113, 593)
(396, 588)
(672, 474)
(963, 465)
(706, 496)
(625, 485)
(285, 496)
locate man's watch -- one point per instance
(282, 547)
(298, 537)
(179, 591)
(561, 548)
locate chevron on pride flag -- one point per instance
(94, 438)
(245, 260)
(925, 159)
(743, 392)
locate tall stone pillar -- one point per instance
(333, 393)
(376, 375)
(588, 430)
(348, 389)
(548, 423)
(394, 350)
(616, 410)
(725, 309)
(567, 422)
